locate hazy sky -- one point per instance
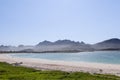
(31, 21)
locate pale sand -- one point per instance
(43, 64)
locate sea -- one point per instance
(109, 57)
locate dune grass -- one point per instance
(9, 72)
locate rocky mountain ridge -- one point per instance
(65, 46)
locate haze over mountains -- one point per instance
(65, 46)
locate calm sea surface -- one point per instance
(112, 57)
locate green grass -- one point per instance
(9, 72)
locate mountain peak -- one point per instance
(60, 42)
(110, 44)
(44, 43)
(65, 41)
(113, 40)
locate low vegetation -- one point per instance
(9, 72)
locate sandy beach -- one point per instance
(43, 64)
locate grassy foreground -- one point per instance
(9, 72)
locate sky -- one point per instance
(29, 22)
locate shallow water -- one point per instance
(111, 57)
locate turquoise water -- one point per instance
(111, 57)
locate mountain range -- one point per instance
(64, 46)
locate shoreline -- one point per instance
(44, 64)
(72, 51)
